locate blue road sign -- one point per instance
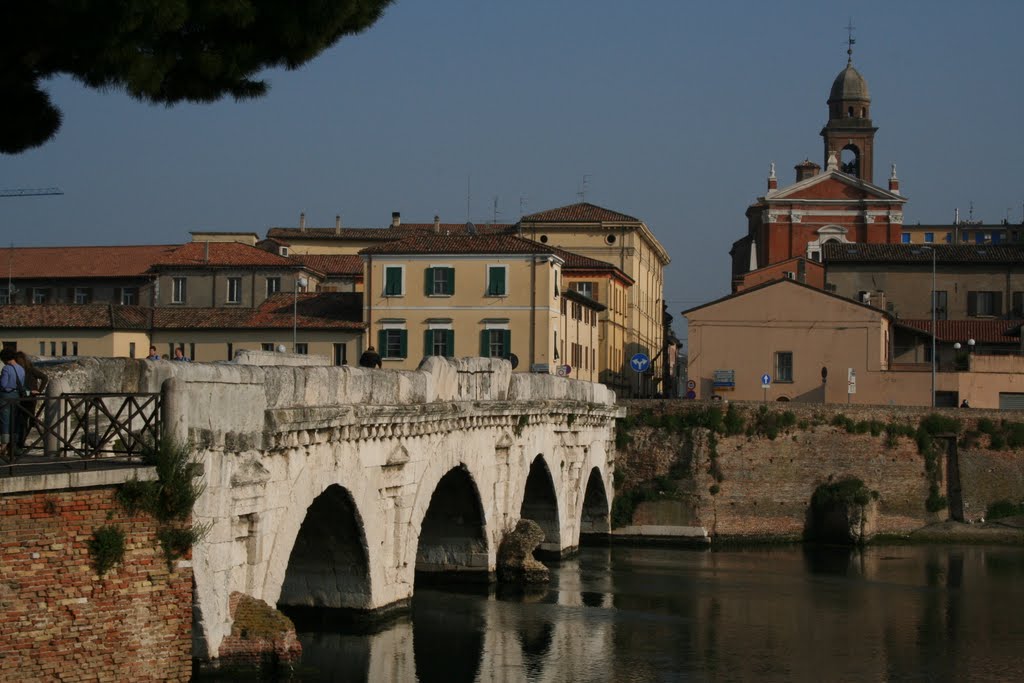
(766, 379)
(640, 362)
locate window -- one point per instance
(905, 238)
(439, 342)
(584, 288)
(131, 349)
(74, 348)
(341, 354)
(267, 346)
(929, 237)
(949, 238)
(178, 290)
(393, 277)
(273, 285)
(495, 343)
(497, 284)
(192, 351)
(129, 296)
(941, 305)
(234, 290)
(783, 366)
(231, 351)
(997, 237)
(5, 295)
(82, 296)
(392, 343)
(440, 281)
(302, 348)
(283, 251)
(985, 304)
(53, 348)
(1018, 305)
(979, 237)
(42, 349)
(63, 348)
(40, 295)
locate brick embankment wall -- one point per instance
(767, 483)
(60, 621)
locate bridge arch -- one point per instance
(540, 503)
(328, 565)
(594, 515)
(452, 533)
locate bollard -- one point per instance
(52, 413)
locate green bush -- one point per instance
(986, 426)
(847, 491)
(1003, 508)
(997, 441)
(733, 421)
(106, 548)
(935, 502)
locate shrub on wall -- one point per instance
(106, 548)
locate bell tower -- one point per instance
(849, 133)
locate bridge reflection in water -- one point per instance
(778, 614)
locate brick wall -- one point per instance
(60, 621)
(768, 484)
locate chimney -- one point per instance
(773, 182)
(894, 182)
(437, 224)
(337, 224)
(396, 219)
(206, 252)
(806, 169)
(302, 221)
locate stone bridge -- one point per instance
(337, 487)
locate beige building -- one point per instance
(628, 244)
(477, 295)
(67, 330)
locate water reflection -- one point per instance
(776, 614)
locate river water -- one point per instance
(621, 614)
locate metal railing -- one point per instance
(79, 428)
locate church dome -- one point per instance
(849, 85)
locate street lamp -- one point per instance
(299, 282)
(932, 250)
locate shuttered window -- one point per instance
(495, 343)
(985, 304)
(393, 343)
(440, 281)
(439, 343)
(393, 281)
(496, 284)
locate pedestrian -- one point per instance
(12, 386)
(370, 358)
(153, 355)
(35, 384)
(965, 404)
(179, 354)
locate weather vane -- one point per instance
(850, 40)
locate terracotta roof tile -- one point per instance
(981, 330)
(321, 311)
(83, 262)
(337, 265)
(582, 212)
(387, 234)
(222, 254)
(80, 316)
(429, 243)
(835, 252)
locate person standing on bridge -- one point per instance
(12, 386)
(370, 358)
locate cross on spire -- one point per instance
(850, 40)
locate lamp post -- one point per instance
(932, 250)
(299, 282)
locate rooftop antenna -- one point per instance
(496, 212)
(31, 192)
(970, 215)
(850, 41)
(582, 194)
(522, 205)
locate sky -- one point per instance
(667, 110)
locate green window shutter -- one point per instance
(506, 340)
(428, 342)
(451, 281)
(449, 343)
(382, 343)
(392, 281)
(498, 281)
(428, 281)
(404, 336)
(484, 346)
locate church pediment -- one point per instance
(833, 185)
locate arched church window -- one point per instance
(849, 112)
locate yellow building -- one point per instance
(68, 330)
(628, 244)
(477, 295)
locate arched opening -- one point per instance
(783, 399)
(850, 161)
(541, 505)
(329, 566)
(452, 540)
(594, 523)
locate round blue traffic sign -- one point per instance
(766, 379)
(640, 362)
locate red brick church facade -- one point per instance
(788, 225)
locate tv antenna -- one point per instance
(522, 205)
(31, 192)
(496, 212)
(582, 194)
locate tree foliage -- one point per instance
(159, 51)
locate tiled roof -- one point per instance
(382, 234)
(980, 330)
(834, 252)
(430, 243)
(332, 264)
(79, 316)
(582, 212)
(82, 262)
(320, 311)
(222, 254)
(577, 262)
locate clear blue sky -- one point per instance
(672, 109)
